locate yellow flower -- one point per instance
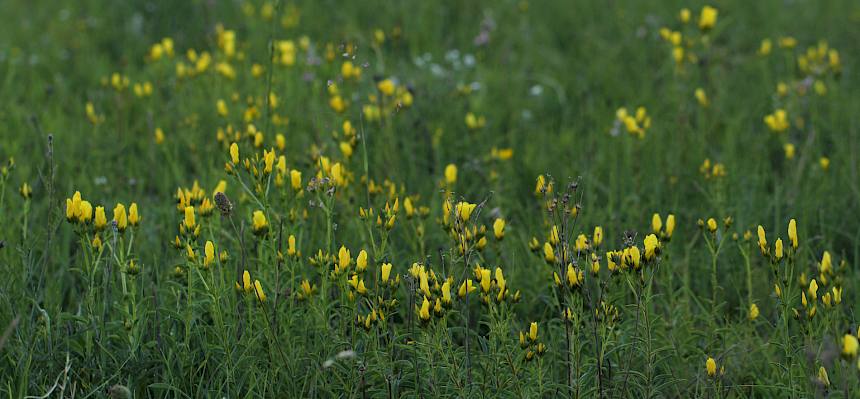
(762, 240)
(824, 162)
(711, 366)
(159, 135)
(424, 312)
(133, 215)
(209, 253)
(260, 225)
(789, 150)
(100, 218)
(466, 287)
(386, 272)
(777, 251)
(684, 15)
(792, 233)
(344, 259)
(753, 311)
(189, 221)
(656, 223)
(651, 246)
(765, 47)
(296, 179)
(361, 261)
(464, 210)
(597, 237)
(701, 97)
(533, 331)
(849, 346)
(85, 212)
(822, 376)
(486, 280)
(777, 121)
(670, 225)
(813, 289)
(120, 217)
(234, 153)
(707, 18)
(258, 289)
(386, 87)
(446, 292)
(826, 265)
(548, 253)
(26, 191)
(499, 228)
(451, 174)
(268, 161)
(246, 281)
(712, 225)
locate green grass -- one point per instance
(548, 77)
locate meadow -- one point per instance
(428, 199)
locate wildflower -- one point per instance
(133, 215)
(792, 233)
(386, 272)
(100, 218)
(581, 243)
(631, 257)
(542, 186)
(670, 225)
(777, 121)
(701, 97)
(26, 191)
(259, 223)
(597, 236)
(386, 87)
(234, 153)
(533, 331)
(777, 249)
(849, 346)
(85, 212)
(209, 253)
(789, 150)
(753, 311)
(499, 228)
(450, 174)
(424, 311)
(120, 217)
(246, 281)
(548, 253)
(824, 162)
(762, 240)
(765, 47)
(711, 367)
(712, 225)
(446, 292)
(465, 288)
(656, 223)
(822, 377)
(344, 259)
(707, 18)
(296, 179)
(464, 210)
(258, 289)
(813, 289)
(651, 247)
(361, 261)
(268, 160)
(190, 221)
(684, 15)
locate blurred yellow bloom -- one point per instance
(711, 366)
(707, 18)
(259, 223)
(120, 217)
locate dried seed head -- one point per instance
(223, 203)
